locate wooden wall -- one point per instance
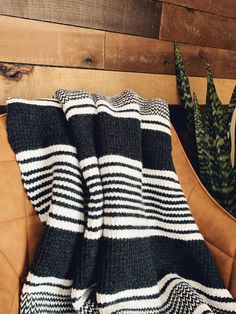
(115, 37)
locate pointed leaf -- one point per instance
(200, 141)
(184, 88)
(233, 97)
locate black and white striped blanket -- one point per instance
(119, 236)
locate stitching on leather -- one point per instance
(1, 252)
(230, 273)
(233, 257)
(10, 160)
(27, 238)
(231, 279)
(191, 191)
(15, 219)
(15, 291)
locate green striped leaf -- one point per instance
(211, 135)
(184, 89)
(221, 182)
(233, 97)
(200, 141)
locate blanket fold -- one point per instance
(119, 236)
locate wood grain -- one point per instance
(139, 17)
(220, 7)
(44, 81)
(14, 71)
(50, 44)
(222, 61)
(196, 27)
(138, 54)
(43, 43)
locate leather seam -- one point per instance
(190, 193)
(15, 219)
(233, 257)
(10, 160)
(27, 238)
(231, 273)
(13, 298)
(14, 271)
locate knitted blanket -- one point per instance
(119, 236)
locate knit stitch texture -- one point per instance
(119, 236)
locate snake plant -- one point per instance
(211, 135)
(184, 89)
(200, 140)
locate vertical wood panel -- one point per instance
(196, 27)
(140, 17)
(52, 44)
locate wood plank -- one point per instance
(195, 27)
(219, 7)
(139, 17)
(222, 61)
(52, 44)
(44, 81)
(138, 54)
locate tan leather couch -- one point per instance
(20, 228)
